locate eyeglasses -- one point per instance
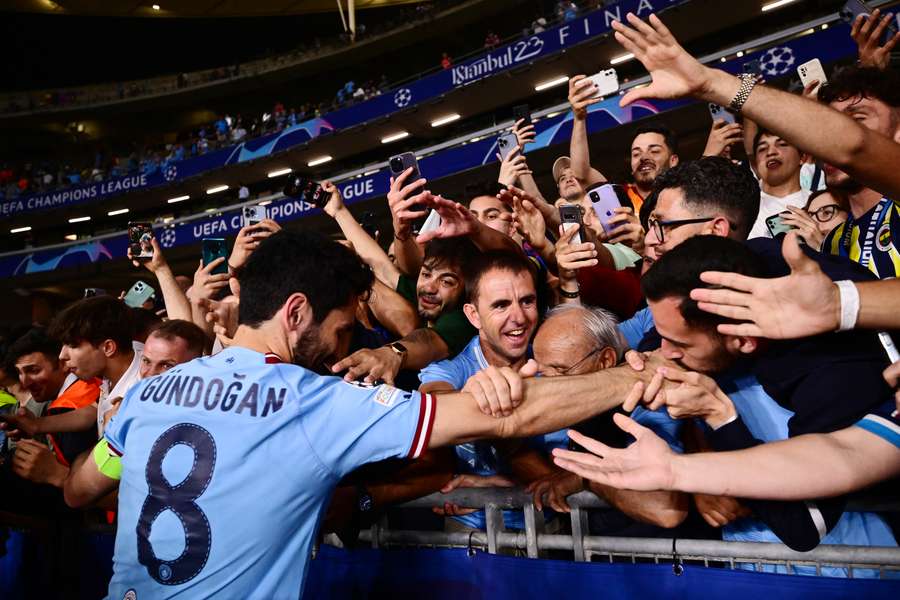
(823, 214)
(660, 227)
(577, 364)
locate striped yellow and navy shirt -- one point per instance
(873, 240)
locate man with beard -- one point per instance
(654, 150)
(732, 384)
(257, 442)
(871, 236)
(778, 164)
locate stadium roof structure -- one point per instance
(190, 8)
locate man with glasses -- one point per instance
(709, 196)
(576, 340)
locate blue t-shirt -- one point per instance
(481, 458)
(635, 328)
(228, 463)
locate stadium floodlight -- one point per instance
(178, 199)
(279, 172)
(155, 7)
(71, 237)
(544, 85)
(321, 160)
(217, 189)
(618, 60)
(394, 137)
(444, 120)
(79, 219)
(20, 229)
(776, 4)
(120, 211)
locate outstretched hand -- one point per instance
(674, 72)
(804, 303)
(645, 465)
(456, 219)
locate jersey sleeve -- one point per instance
(117, 429)
(634, 329)
(350, 424)
(884, 423)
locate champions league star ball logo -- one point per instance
(777, 61)
(170, 173)
(167, 239)
(403, 97)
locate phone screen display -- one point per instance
(140, 236)
(214, 248)
(306, 190)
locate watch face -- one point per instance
(365, 503)
(398, 348)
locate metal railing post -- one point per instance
(579, 530)
(494, 522)
(534, 526)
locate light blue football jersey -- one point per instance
(228, 465)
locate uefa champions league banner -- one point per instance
(538, 46)
(828, 46)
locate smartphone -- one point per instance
(139, 240)
(717, 111)
(776, 227)
(432, 222)
(854, 8)
(305, 189)
(606, 83)
(139, 293)
(254, 214)
(522, 111)
(753, 66)
(91, 292)
(507, 144)
(402, 162)
(605, 201)
(812, 71)
(570, 216)
(214, 248)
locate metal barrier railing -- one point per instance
(584, 547)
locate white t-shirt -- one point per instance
(130, 377)
(772, 205)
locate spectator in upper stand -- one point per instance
(446, 62)
(539, 25)
(238, 133)
(566, 10)
(222, 126)
(243, 192)
(778, 166)
(491, 40)
(871, 234)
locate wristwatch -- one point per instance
(398, 349)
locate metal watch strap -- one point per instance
(748, 82)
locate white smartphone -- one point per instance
(720, 112)
(432, 222)
(254, 214)
(606, 83)
(812, 71)
(506, 144)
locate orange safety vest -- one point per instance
(78, 395)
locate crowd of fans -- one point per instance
(683, 309)
(28, 177)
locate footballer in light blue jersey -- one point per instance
(231, 444)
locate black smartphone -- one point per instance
(306, 189)
(402, 162)
(214, 248)
(140, 235)
(522, 111)
(570, 216)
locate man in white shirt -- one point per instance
(778, 165)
